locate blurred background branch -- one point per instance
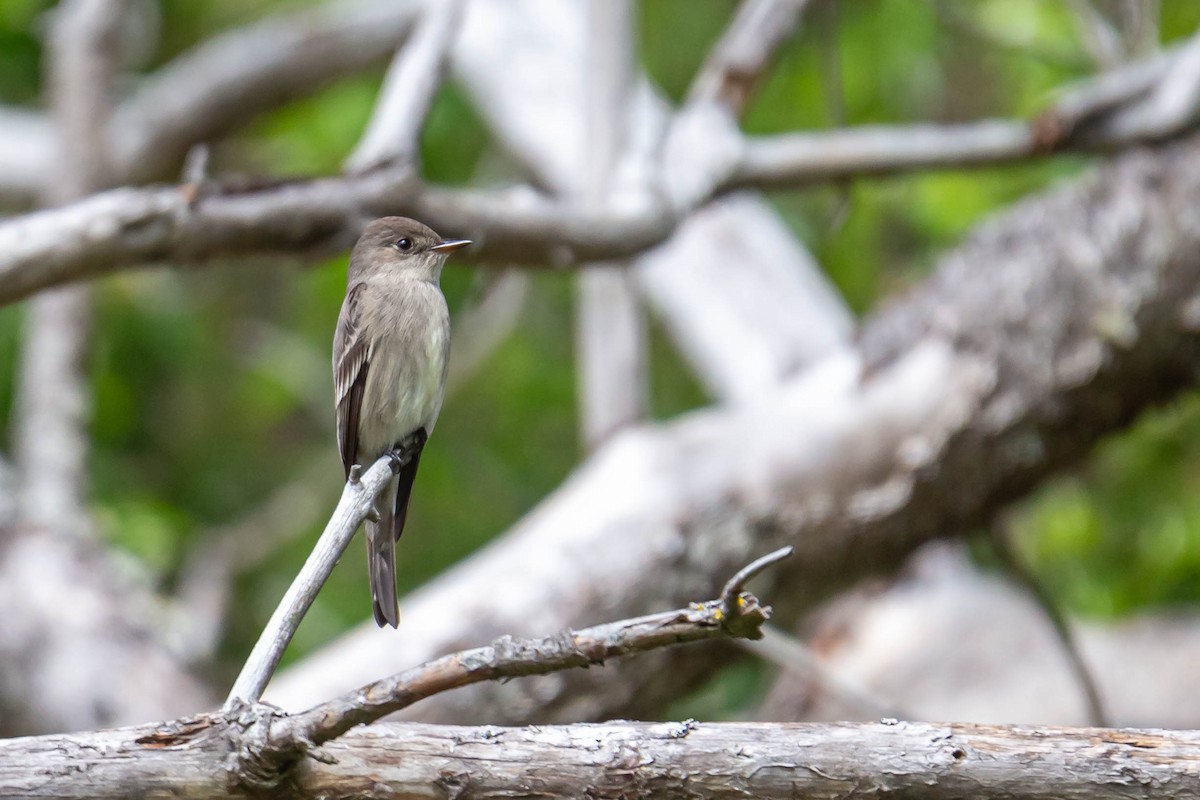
(77, 609)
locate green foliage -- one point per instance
(1125, 532)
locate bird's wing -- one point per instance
(351, 360)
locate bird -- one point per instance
(391, 349)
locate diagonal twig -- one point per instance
(356, 502)
(1097, 711)
(232, 77)
(509, 657)
(393, 134)
(744, 52)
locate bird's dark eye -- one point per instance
(404, 244)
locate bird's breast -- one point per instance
(407, 374)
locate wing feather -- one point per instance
(351, 361)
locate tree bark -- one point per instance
(192, 758)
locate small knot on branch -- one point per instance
(741, 613)
(738, 613)
(256, 761)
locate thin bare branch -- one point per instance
(394, 131)
(1100, 37)
(76, 607)
(1173, 102)
(508, 658)
(800, 663)
(611, 342)
(741, 330)
(733, 587)
(1141, 25)
(308, 219)
(52, 401)
(230, 78)
(743, 55)
(1097, 713)
(354, 506)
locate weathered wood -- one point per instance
(662, 760)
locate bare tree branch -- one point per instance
(1057, 323)
(1101, 39)
(76, 609)
(744, 52)
(940, 640)
(1141, 25)
(229, 79)
(306, 219)
(356, 503)
(393, 133)
(712, 761)
(1024, 575)
(1170, 105)
(250, 749)
(745, 330)
(220, 84)
(26, 152)
(734, 614)
(611, 346)
(779, 306)
(52, 404)
(799, 663)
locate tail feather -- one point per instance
(404, 485)
(382, 537)
(381, 559)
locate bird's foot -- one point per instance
(406, 450)
(397, 458)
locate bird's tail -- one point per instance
(381, 557)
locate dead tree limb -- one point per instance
(75, 607)
(718, 761)
(356, 503)
(256, 747)
(306, 219)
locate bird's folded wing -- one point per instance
(351, 360)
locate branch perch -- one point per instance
(710, 761)
(357, 499)
(268, 743)
(736, 614)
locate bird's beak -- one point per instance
(450, 245)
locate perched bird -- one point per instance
(390, 353)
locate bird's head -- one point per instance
(400, 243)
